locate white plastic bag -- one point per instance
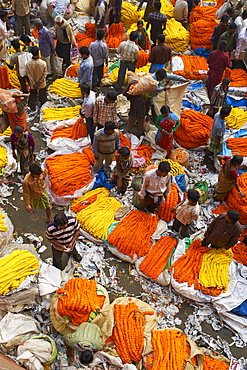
(22, 60)
(57, 65)
(223, 9)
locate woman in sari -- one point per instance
(142, 36)
(122, 170)
(23, 143)
(227, 178)
(167, 122)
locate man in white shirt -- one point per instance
(241, 44)
(181, 12)
(241, 21)
(155, 187)
(87, 108)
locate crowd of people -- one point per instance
(99, 109)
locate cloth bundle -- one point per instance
(145, 84)
(7, 102)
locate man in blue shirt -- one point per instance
(85, 71)
(46, 43)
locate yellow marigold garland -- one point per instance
(236, 119)
(129, 14)
(7, 132)
(3, 157)
(2, 225)
(176, 168)
(65, 87)
(176, 36)
(60, 114)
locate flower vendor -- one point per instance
(160, 55)
(186, 212)
(158, 22)
(155, 187)
(87, 108)
(24, 143)
(121, 171)
(224, 231)
(230, 37)
(142, 36)
(99, 52)
(62, 233)
(105, 109)
(65, 38)
(218, 98)
(85, 71)
(219, 30)
(181, 12)
(105, 143)
(34, 190)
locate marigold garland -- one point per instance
(3, 157)
(78, 204)
(14, 269)
(78, 299)
(13, 79)
(143, 151)
(214, 268)
(115, 34)
(201, 32)
(129, 14)
(236, 119)
(176, 168)
(238, 77)
(68, 173)
(194, 129)
(75, 132)
(2, 225)
(72, 71)
(170, 202)
(124, 141)
(128, 333)
(195, 68)
(236, 202)
(176, 36)
(240, 253)
(238, 145)
(214, 364)
(133, 233)
(83, 40)
(156, 259)
(142, 59)
(90, 155)
(65, 87)
(60, 114)
(4, 78)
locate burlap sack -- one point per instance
(145, 84)
(64, 325)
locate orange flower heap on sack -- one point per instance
(156, 259)
(170, 202)
(78, 299)
(202, 23)
(75, 132)
(72, 70)
(133, 233)
(240, 253)
(128, 333)
(68, 173)
(194, 129)
(236, 202)
(115, 35)
(238, 77)
(214, 364)
(195, 68)
(142, 59)
(4, 78)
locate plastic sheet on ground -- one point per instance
(66, 143)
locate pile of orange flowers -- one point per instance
(82, 39)
(170, 350)
(72, 71)
(77, 131)
(187, 268)
(128, 333)
(240, 253)
(238, 77)
(115, 35)
(124, 141)
(210, 363)
(35, 33)
(238, 145)
(207, 13)
(133, 233)
(156, 259)
(4, 78)
(142, 59)
(89, 154)
(80, 203)
(170, 202)
(194, 129)
(192, 66)
(78, 299)
(235, 201)
(68, 173)
(143, 151)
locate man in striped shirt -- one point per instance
(62, 233)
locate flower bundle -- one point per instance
(214, 269)
(240, 253)
(60, 114)
(238, 77)
(133, 233)
(83, 40)
(78, 204)
(68, 173)
(129, 14)
(210, 363)
(142, 59)
(13, 79)
(201, 32)
(90, 30)
(128, 333)
(238, 145)
(89, 154)
(65, 87)
(124, 141)
(75, 132)
(4, 77)
(167, 9)
(115, 33)
(170, 202)
(72, 71)
(143, 151)
(176, 168)
(35, 33)
(236, 119)
(6, 132)
(99, 215)
(170, 351)
(2, 225)
(78, 299)
(207, 13)
(176, 36)
(3, 157)
(156, 259)
(194, 129)
(234, 201)
(14, 269)
(195, 68)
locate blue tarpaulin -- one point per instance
(241, 310)
(202, 52)
(101, 181)
(236, 103)
(226, 150)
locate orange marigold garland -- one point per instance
(235, 201)
(133, 233)
(214, 364)
(78, 299)
(77, 131)
(115, 35)
(240, 253)
(156, 259)
(4, 78)
(142, 59)
(128, 333)
(170, 202)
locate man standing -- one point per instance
(181, 12)
(46, 43)
(36, 72)
(230, 37)
(218, 30)
(105, 109)
(241, 43)
(85, 70)
(99, 52)
(224, 231)
(218, 98)
(155, 187)
(160, 55)
(62, 233)
(128, 51)
(87, 108)
(106, 142)
(157, 21)
(100, 14)
(22, 14)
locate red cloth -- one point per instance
(217, 62)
